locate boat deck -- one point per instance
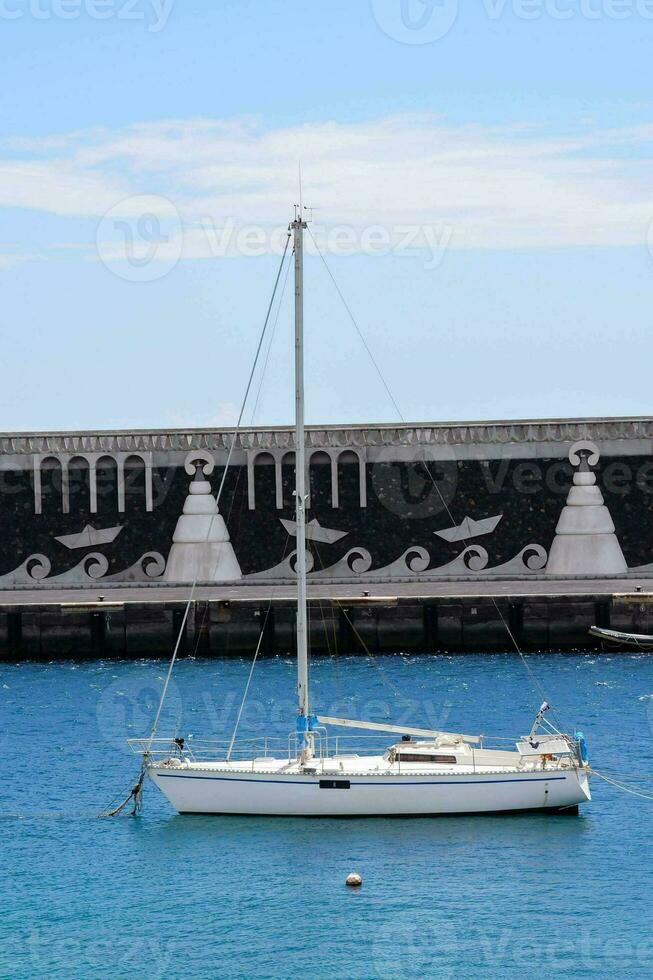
(350, 767)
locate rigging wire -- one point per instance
(356, 327)
(391, 686)
(269, 606)
(251, 422)
(135, 792)
(256, 653)
(249, 681)
(330, 632)
(533, 677)
(191, 596)
(270, 342)
(534, 680)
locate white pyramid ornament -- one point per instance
(201, 547)
(585, 542)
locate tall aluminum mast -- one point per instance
(305, 721)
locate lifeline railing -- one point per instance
(326, 746)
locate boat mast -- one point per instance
(304, 721)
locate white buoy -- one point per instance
(354, 880)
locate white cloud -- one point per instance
(491, 187)
(12, 255)
(225, 416)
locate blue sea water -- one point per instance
(166, 896)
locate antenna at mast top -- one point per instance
(299, 208)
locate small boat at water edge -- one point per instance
(633, 641)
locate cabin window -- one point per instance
(448, 760)
(334, 784)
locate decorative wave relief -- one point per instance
(415, 562)
(286, 569)
(355, 565)
(36, 569)
(641, 570)
(30, 572)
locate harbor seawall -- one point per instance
(405, 509)
(126, 623)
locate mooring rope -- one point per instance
(135, 794)
(622, 786)
(51, 814)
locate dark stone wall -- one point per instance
(404, 509)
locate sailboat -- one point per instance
(421, 772)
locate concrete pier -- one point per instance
(135, 622)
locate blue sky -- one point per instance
(481, 174)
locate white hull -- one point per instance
(217, 790)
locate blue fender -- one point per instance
(582, 746)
